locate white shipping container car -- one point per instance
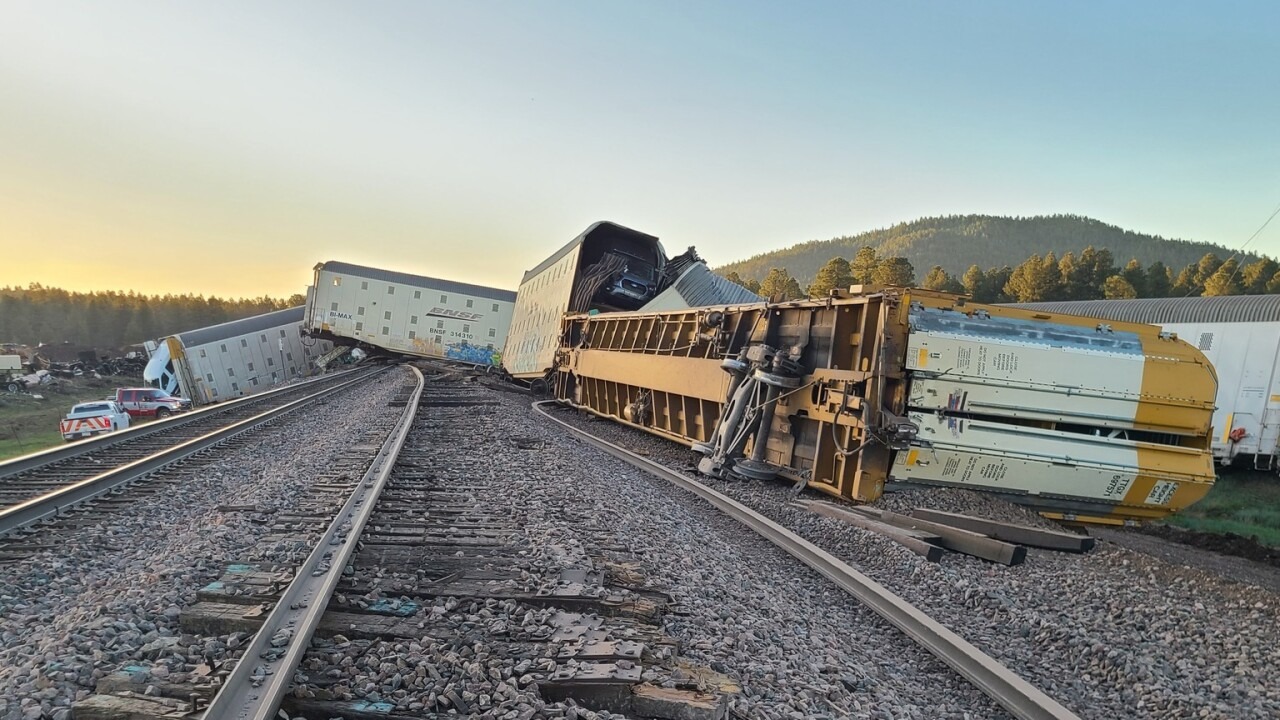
(234, 358)
(1241, 336)
(408, 314)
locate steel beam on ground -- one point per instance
(1020, 534)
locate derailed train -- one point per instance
(1077, 418)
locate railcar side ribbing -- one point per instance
(408, 314)
(1074, 417)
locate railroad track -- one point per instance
(1017, 696)
(45, 485)
(428, 592)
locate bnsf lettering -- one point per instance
(445, 312)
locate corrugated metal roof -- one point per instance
(421, 281)
(578, 241)
(1159, 311)
(243, 326)
(698, 286)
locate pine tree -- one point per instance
(1050, 277)
(836, 274)
(1257, 274)
(1104, 266)
(1205, 269)
(1136, 276)
(863, 265)
(1186, 284)
(939, 279)
(1159, 280)
(896, 271)
(1069, 270)
(779, 283)
(793, 290)
(1224, 281)
(1117, 287)
(973, 284)
(996, 280)
(1031, 281)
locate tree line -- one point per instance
(113, 320)
(958, 241)
(1091, 275)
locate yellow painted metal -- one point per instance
(686, 376)
(662, 372)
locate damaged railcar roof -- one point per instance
(1157, 311)
(603, 225)
(243, 326)
(419, 281)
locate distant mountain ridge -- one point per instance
(958, 241)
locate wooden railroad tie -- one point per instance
(927, 532)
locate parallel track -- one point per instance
(93, 455)
(42, 486)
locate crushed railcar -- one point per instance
(364, 307)
(233, 359)
(1240, 334)
(607, 268)
(1077, 418)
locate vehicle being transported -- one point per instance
(93, 418)
(150, 402)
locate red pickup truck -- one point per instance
(150, 402)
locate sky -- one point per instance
(226, 148)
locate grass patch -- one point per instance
(1241, 502)
(28, 425)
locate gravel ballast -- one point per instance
(798, 646)
(1112, 633)
(111, 593)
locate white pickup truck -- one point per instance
(93, 418)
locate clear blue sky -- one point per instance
(227, 147)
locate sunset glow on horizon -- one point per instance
(227, 148)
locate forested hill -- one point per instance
(959, 241)
(105, 320)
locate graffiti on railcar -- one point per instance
(466, 352)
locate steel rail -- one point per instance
(32, 461)
(1022, 699)
(257, 685)
(53, 503)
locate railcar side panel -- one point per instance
(409, 314)
(1071, 416)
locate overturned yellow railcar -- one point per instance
(1078, 418)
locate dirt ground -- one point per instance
(1243, 570)
(28, 423)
